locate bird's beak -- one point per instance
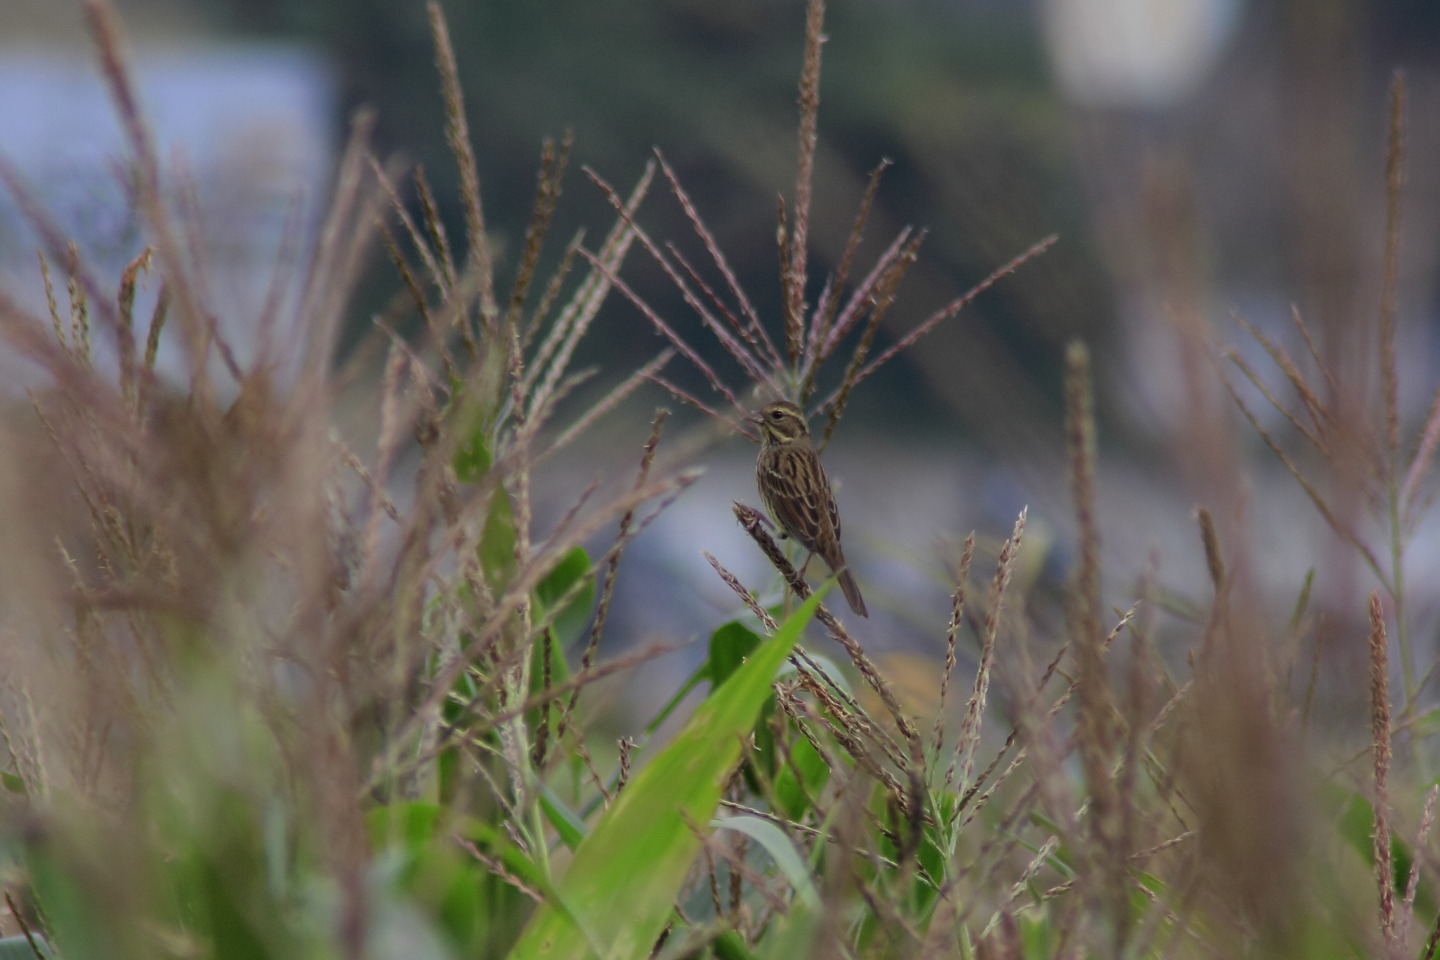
(754, 418)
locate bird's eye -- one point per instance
(776, 415)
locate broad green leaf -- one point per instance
(416, 826)
(497, 542)
(472, 459)
(19, 948)
(223, 904)
(1356, 821)
(548, 666)
(791, 935)
(729, 945)
(473, 905)
(74, 918)
(621, 886)
(411, 823)
(725, 642)
(792, 793)
(932, 857)
(1357, 828)
(729, 646)
(573, 567)
(1036, 938)
(782, 851)
(570, 827)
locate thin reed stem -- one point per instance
(1380, 744)
(798, 241)
(457, 135)
(970, 727)
(957, 617)
(1389, 380)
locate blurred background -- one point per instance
(1198, 159)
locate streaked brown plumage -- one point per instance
(797, 493)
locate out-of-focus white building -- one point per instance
(246, 136)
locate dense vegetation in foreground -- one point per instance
(258, 702)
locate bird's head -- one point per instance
(781, 422)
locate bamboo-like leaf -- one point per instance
(781, 849)
(622, 884)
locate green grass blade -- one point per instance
(20, 948)
(782, 851)
(621, 886)
(559, 815)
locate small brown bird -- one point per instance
(797, 493)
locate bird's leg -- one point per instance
(808, 555)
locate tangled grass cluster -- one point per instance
(267, 692)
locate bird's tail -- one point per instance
(851, 589)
